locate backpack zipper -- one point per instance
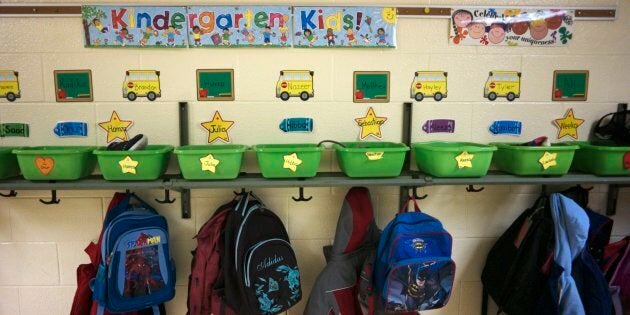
(238, 236)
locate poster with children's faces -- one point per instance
(134, 26)
(243, 26)
(511, 27)
(344, 27)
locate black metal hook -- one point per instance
(167, 197)
(242, 193)
(12, 193)
(471, 188)
(301, 197)
(414, 194)
(53, 200)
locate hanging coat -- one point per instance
(335, 290)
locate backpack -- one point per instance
(205, 283)
(137, 270)
(616, 129)
(413, 270)
(617, 268)
(260, 267)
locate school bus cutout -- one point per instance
(142, 83)
(295, 83)
(503, 84)
(429, 84)
(9, 85)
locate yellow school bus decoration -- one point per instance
(293, 83)
(141, 83)
(9, 85)
(503, 84)
(429, 84)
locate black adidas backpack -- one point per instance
(261, 271)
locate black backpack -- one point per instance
(260, 267)
(616, 129)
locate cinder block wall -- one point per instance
(41, 246)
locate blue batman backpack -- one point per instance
(137, 270)
(413, 269)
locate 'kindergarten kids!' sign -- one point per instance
(245, 26)
(344, 27)
(511, 27)
(119, 26)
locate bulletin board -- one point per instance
(570, 85)
(73, 85)
(371, 87)
(215, 84)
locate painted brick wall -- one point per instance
(40, 246)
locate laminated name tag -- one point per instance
(506, 127)
(71, 129)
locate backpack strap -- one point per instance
(406, 205)
(484, 300)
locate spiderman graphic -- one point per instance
(142, 272)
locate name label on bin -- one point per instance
(14, 130)
(626, 160)
(464, 160)
(291, 162)
(44, 164)
(298, 124)
(127, 165)
(71, 129)
(506, 127)
(439, 125)
(209, 163)
(374, 156)
(548, 160)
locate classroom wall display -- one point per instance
(116, 128)
(296, 124)
(344, 27)
(134, 26)
(239, 26)
(73, 85)
(370, 125)
(293, 83)
(14, 130)
(568, 125)
(570, 85)
(141, 83)
(503, 84)
(215, 84)
(65, 129)
(506, 127)
(511, 27)
(218, 128)
(439, 126)
(9, 85)
(429, 84)
(371, 87)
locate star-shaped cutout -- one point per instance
(291, 162)
(127, 165)
(116, 128)
(548, 160)
(218, 128)
(209, 163)
(464, 159)
(568, 126)
(370, 124)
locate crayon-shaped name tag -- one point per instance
(439, 125)
(299, 124)
(506, 127)
(71, 129)
(14, 130)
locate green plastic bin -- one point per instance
(453, 159)
(602, 158)
(55, 162)
(288, 160)
(8, 163)
(199, 162)
(147, 164)
(534, 160)
(371, 159)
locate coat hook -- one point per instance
(53, 200)
(12, 193)
(471, 188)
(242, 193)
(167, 197)
(415, 194)
(301, 197)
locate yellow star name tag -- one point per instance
(218, 129)
(127, 165)
(568, 125)
(209, 163)
(291, 162)
(548, 160)
(116, 128)
(370, 124)
(464, 159)
(374, 156)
